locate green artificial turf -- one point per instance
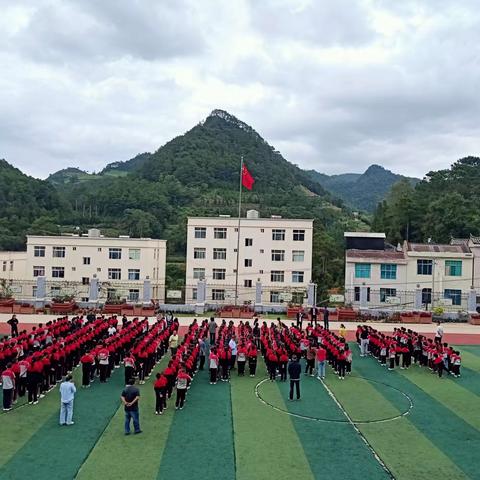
(266, 443)
(60, 450)
(115, 453)
(200, 441)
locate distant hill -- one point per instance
(362, 191)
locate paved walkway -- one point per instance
(454, 332)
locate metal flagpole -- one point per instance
(238, 230)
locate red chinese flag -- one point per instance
(247, 179)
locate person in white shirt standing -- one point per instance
(233, 347)
(439, 333)
(67, 395)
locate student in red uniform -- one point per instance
(213, 364)
(8, 385)
(129, 362)
(103, 356)
(87, 362)
(182, 383)
(160, 387)
(252, 359)
(241, 359)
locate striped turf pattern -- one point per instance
(226, 432)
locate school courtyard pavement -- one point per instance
(457, 333)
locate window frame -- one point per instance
(113, 252)
(217, 251)
(277, 255)
(58, 252)
(39, 268)
(133, 270)
(220, 233)
(59, 272)
(219, 273)
(300, 234)
(362, 265)
(132, 256)
(111, 272)
(298, 274)
(424, 266)
(198, 250)
(453, 264)
(279, 274)
(388, 271)
(41, 248)
(278, 232)
(200, 232)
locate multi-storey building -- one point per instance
(69, 262)
(412, 275)
(274, 254)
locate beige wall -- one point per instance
(12, 265)
(259, 230)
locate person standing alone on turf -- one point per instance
(130, 398)
(294, 371)
(326, 313)
(67, 394)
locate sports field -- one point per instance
(405, 424)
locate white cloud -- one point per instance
(334, 85)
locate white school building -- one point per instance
(274, 262)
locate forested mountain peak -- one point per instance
(363, 191)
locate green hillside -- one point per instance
(360, 191)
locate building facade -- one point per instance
(274, 261)
(68, 263)
(409, 276)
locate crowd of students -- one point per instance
(33, 363)
(404, 348)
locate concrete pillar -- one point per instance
(311, 294)
(418, 298)
(201, 297)
(147, 291)
(258, 297)
(93, 290)
(41, 292)
(363, 296)
(472, 301)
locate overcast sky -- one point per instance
(334, 85)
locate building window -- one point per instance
(299, 235)
(262, 250)
(38, 271)
(134, 274)
(199, 253)
(200, 232)
(74, 269)
(260, 271)
(278, 255)
(362, 270)
(426, 296)
(453, 268)
(424, 267)
(297, 277)
(99, 249)
(220, 233)
(58, 272)
(262, 230)
(199, 273)
(38, 251)
(114, 274)
(58, 252)
(133, 295)
(134, 254)
(85, 281)
(274, 297)
(454, 295)
(111, 293)
(218, 273)
(357, 294)
(278, 234)
(34, 291)
(298, 256)
(11, 265)
(74, 248)
(248, 242)
(218, 294)
(247, 283)
(277, 276)
(86, 260)
(115, 253)
(99, 269)
(194, 293)
(388, 271)
(219, 253)
(54, 291)
(4, 266)
(387, 292)
(297, 297)
(248, 262)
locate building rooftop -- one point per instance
(437, 248)
(273, 218)
(364, 235)
(380, 254)
(475, 239)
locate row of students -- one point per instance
(404, 347)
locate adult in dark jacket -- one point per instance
(294, 371)
(326, 313)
